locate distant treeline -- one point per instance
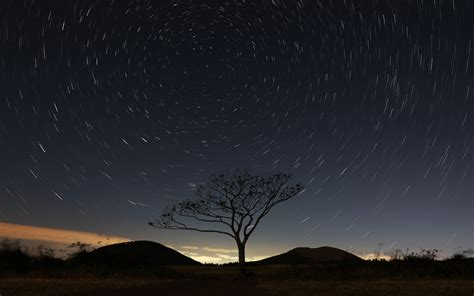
(15, 261)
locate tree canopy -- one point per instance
(231, 203)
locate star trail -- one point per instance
(110, 109)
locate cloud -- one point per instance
(217, 250)
(189, 254)
(256, 258)
(54, 235)
(227, 257)
(189, 247)
(207, 259)
(222, 258)
(219, 256)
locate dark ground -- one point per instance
(228, 287)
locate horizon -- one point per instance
(112, 110)
(32, 237)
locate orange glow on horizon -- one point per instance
(54, 235)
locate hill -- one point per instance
(134, 254)
(310, 256)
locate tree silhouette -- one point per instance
(79, 249)
(232, 204)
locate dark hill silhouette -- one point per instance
(310, 256)
(133, 254)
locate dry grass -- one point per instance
(373, 287)
(152, 286)
(70, 286)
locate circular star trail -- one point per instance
(109, 109)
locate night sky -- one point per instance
(111, 109)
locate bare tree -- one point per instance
(231, 204)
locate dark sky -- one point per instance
(110, 109)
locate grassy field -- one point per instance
(375, 287)
(127, 273)
(229, 287)
(226, 280)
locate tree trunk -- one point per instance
(241, 247)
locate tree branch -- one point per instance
(179, 227)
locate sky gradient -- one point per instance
(111, 109)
